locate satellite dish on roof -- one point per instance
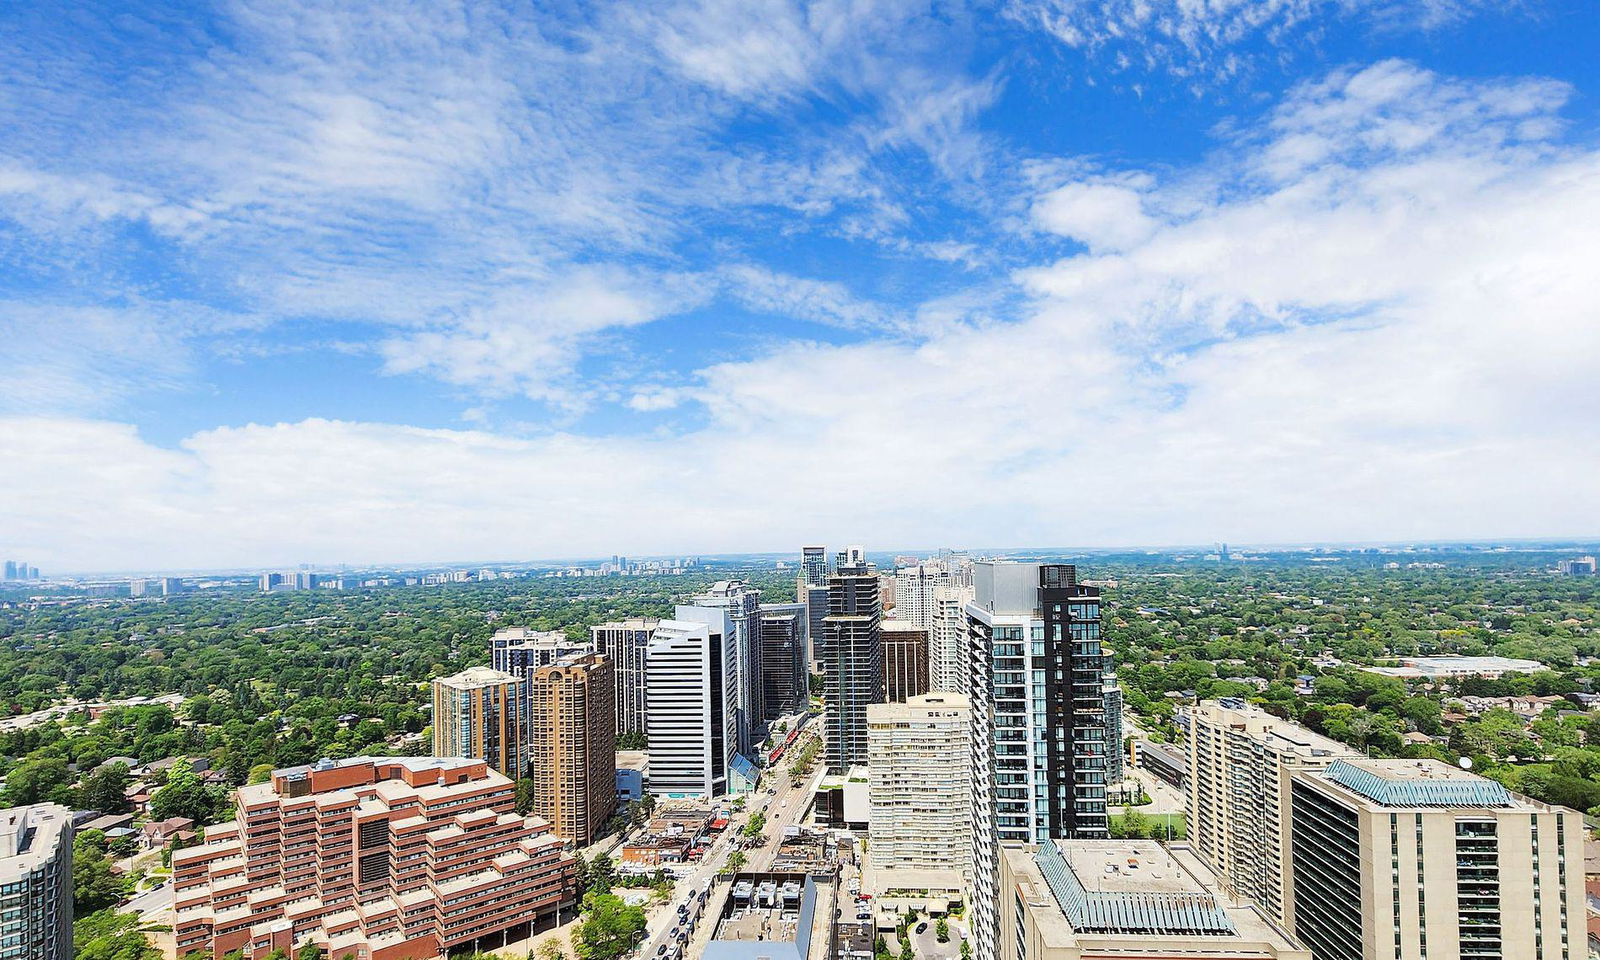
(1465, 763)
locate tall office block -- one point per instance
(171, 586)
(481, 713)
(784, 682)
(627, 642)
(691, 709)
(852, 659)
(947, 644)
(572, 748)
(1038, 718)
(1240, 760)
(915, 591)
(905, 660)
(11, 569)
(742, 604)
(1413, 859)
(815, 597)
(814, 566)
(920, 783)
(36, 883)
(385, 858)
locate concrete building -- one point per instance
(852, 659)
(785, 685)
(915, 588)
(627, 642)
(1240, 760)
(572, 749)
(36, 883)
(1038, 719)
(905, 660)
(481, 713)
(689, 689)
(947, 643)
(1408, 859)
(385, 858)
(1126, 899)
(920, 784)
(742, 605)
(814, 566)
(771, 916)
(1116, 752)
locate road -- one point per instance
(156, 901)
(783, 808)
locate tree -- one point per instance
(95, 886)
(736, 861)
(608, 928)
(550, 950)
(525, 794)
(308, 952)
(966, 950)
(36, 781)
(941, 930)
(108, 935)
(104, 790)
(601, 871)
(260, 773)
(185, 796)
(905, 948)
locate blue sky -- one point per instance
(288, 282)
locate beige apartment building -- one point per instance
(478, 713)
(1420, 860)
(919, 787)
(572, 724)
(1240, 762)
(1126, 900)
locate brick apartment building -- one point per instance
(388, 858)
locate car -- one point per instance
(661, 950)
(922, 927)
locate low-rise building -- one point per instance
(773, 916)
(385, 858)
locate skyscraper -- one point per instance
(814, 566)
(36, 883)
(852, 659)
(690, 707)
(742, 603)
(915, 590)
(572, 745)
(905, 660)
(784, 681)
(627, 642)
(1038, 719)
(481, 713)
(815, 597)
(11, 569)
(947, 644)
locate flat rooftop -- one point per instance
(1113, 866)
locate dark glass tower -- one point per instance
(852, 659)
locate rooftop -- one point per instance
(1110, 896)
(1418, 783)
(475, 677)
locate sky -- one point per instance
(290, 282)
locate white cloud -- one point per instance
(1105, 214)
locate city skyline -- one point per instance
(323, 283)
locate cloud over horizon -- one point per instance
(708, 278)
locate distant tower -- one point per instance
(852, 658)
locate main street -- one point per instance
(783, 808)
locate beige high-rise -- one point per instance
(1419, 860)
(572, 746)
(1240, 761)
(919, 783)
(478, 714)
